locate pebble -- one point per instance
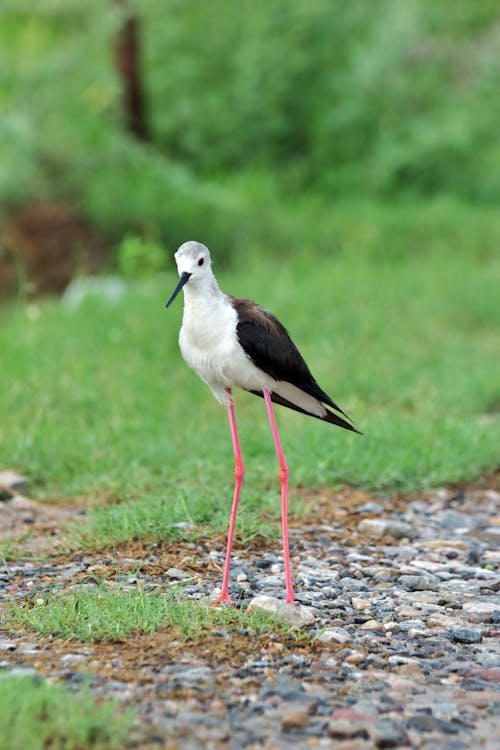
(21, 671)
(298, 615)
(348, 723)
(420, 582)
(355, 658)
(12, 483)
(440, 620)
(334, 635)
(465, 635)
(294, 717)
(378, 527)
(372, 625)
(483, 610)
(69, 659)
(444, 544)
(7, 645)
(359, 604)
(175, 574)
(451, 519)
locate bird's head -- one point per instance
(193, 264)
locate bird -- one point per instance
(232, 342)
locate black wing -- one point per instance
(269, 346)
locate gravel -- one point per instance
(401, 617)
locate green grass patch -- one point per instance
(36, 715)
(105, 613)
(397, 315)
(175, 516)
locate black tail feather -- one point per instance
(328, 417)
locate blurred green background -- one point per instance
(342, 162)
(382, 99)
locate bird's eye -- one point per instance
(201, 261)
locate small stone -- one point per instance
(420, 583)
(377, 527)
(438, 620)
(372, 625)
(182, 526)
(287, 689)
(117, 686)
(465, 635)
(355, 658)
(369, 508)
(386, 735)
(297, 615)
(175, 574)
(359, 604)
(459, 587)
(400, 530)
(329, 661)
(69, 659)
(295, 717)
(345, 724)
(482, 610)
(12, 483)
(392, 625)
(446, 543)
(6, 645)
(20, 671)
(372, 527)
(397, 660)
(452, 520)
(340, 729)
(334, 635)
(422, 723)
(417, 632)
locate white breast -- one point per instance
(210, 346)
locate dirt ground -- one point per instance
(43, 246)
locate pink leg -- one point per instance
(284, 495)
(239, 472)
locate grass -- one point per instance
(36, 715)
(109, 614)
(398, 316)
(396, 310)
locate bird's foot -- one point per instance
(223, 598)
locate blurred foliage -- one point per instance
(381, 99)
(380, 96)
(139, 258)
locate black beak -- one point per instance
(185, 276)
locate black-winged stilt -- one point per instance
(232, 342)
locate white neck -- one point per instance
(198, 289)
